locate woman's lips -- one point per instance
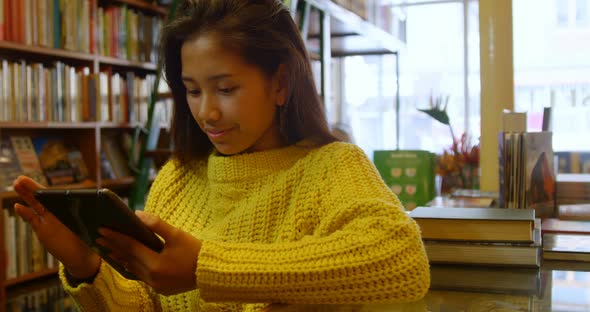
(216, 133)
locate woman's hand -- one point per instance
(79, 260)
(169, 272)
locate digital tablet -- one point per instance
(85, 211)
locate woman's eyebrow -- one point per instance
(213, 77)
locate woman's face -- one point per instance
(233, 102)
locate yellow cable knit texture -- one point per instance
(292, 225)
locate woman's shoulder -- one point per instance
(337, 151)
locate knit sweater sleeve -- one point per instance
(110, 291)
(364, 248)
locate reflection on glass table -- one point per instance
(557, 286)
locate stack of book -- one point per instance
(480, 236)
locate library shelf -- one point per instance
(30, 277)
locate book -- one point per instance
(461, 202)
(115, 155)
(557, 226)
(53, 157)
(514, 121)
(539, 173)
(568, 247)
(469, 193)
(527, 177)
(78, 164)
(486, 253)
(485, 279)
(27, 158)
(475, 224)
(409, 174)
(9, 167)
(574, 212)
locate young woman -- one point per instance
(259, 203)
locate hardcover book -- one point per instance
(475, 224)
(486, 253)
(409, 174)
(566, 247)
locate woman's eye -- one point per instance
(193, 92)
(227, 90)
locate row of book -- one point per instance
(45, 296)
(573, 162)
(526, 167)
(25, 252)
(81, 25)
(64, 93)
(48, 160)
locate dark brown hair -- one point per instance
(265, 35)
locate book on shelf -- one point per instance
(486, 253)
(45, 295)
(566, 247)
(27, 158)
(485, 279)
(573, 162)
(54, 160)
(557, 226)
(116, 157)
(475, 224)
(409, 174)
(9, 166)
(25, 252)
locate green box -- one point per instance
(409, 174)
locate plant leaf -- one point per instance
(439, 115)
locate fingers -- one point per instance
(130, 253)
(25, 187)
(28, 214)
(157, 225)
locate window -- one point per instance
(433, 63)
(570, 13)
(552, 69)
(581, 13)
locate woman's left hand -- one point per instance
(169, 272)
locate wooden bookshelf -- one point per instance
(82, 185)
(86, 136)
(49, 125)
(144, 5)
(106, 60)
(118, 183)
(30, 277)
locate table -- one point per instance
(556, 286)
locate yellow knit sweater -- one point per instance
(294, 225)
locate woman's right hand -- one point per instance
(79, 260)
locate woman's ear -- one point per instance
(281, 85)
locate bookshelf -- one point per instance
(99, 39)
(99, 57)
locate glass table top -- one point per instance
(556, 286)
